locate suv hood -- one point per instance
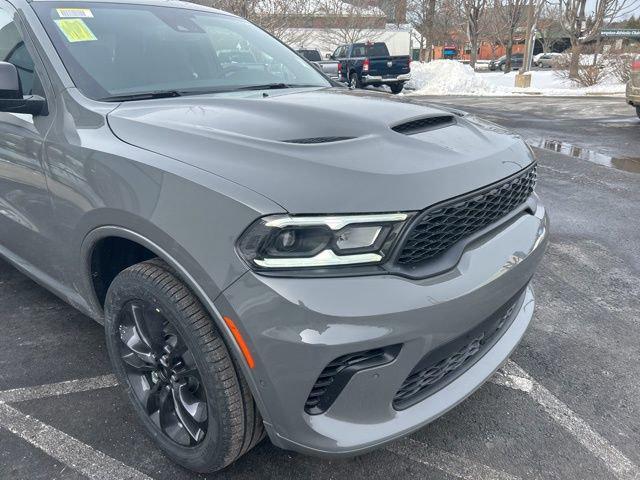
(249, 138)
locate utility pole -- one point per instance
(531, 38)
(523, 79)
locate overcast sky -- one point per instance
(635, 10)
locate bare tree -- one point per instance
(281, 18)
(493, 33)
(349, 22)
(237, 7)
(448, 19)
(582, 26)
(509, 17)
(284, 19)
(473, 11)
(422, 16)
(549, 26)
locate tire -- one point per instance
(149, 309)
(638, 110)
(396, 87)
(354, 80)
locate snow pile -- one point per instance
(448, 77)
(548, 82)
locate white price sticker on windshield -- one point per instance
(74, 13)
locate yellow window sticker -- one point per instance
(75, 30)
(74, 12)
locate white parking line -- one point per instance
(96, 465)
(66, 449)
(446, 462)
(513, 376)
(55, 389)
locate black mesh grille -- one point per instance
(423, 124)
(440, 227)
(440, 367)
(337, 374)
(309, 141)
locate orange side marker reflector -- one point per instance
(240, 341)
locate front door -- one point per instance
(25, 206)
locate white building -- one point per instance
(326, 24)
(397, 38)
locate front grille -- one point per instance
(423, 124)
(442, 366)
(337, 374)
(440, 227)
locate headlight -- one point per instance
(290, 242)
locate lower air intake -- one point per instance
(337, 374)
(440, 367)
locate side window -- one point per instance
(13, 50)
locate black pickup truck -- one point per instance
(362, 64)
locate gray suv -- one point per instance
(270, 254)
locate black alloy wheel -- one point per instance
(162, 372)
(184, 385)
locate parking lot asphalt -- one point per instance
(565, 407)
(598, 128)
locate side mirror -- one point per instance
(11, 97)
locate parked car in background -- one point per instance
(362, 64)
(498, 64)
(546, 60)
(633, 85)
(328, 67)
(536, 57)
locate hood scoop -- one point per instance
(314, 140)
(424, 124)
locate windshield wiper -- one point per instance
(274, 86)
(180, 93)
(142, 96)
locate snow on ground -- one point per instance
(450, 77)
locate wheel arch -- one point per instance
(93, 238)
(174, 255)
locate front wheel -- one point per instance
(179, 375)
(396, 87)
(638, 110)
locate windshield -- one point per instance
(113, 51)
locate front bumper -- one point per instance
(295, 327)
(380, 79)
